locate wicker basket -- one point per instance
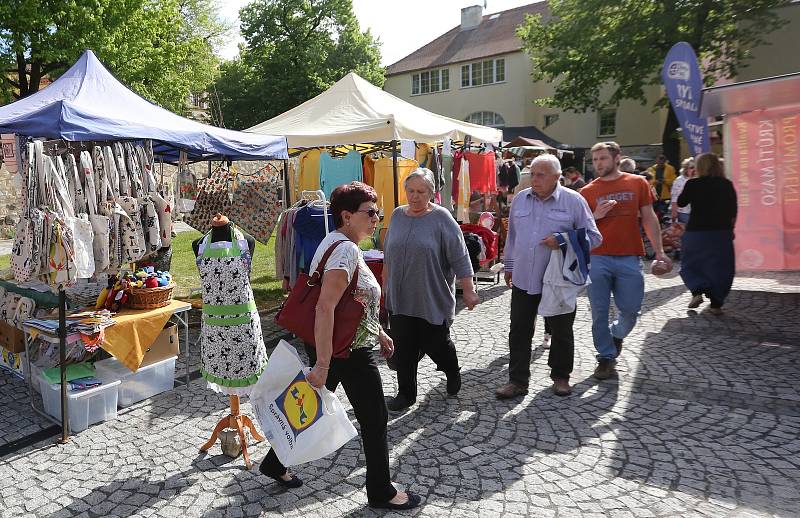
(150, 298)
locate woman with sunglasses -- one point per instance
(424, 252)
(355, 216)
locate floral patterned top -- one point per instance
(348, 257)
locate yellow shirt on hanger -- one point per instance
(384, 184)
(309, 170)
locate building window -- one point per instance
(486, 119)
(607, 122)
(551, 119)
(483, 73)
(430, 81)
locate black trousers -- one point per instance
(523, 324)
(414, 337)
(361, 380)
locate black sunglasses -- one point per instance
(371, 213)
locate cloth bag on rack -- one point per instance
(128, 240)
(302, 424)
(101, 223)
(162, 205)
(26, 254)
(147, 209)
(78, 224)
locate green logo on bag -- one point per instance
(300, 404)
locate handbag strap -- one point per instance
(88, 174)
(79, 195)
(324, 260)
(111, 179)
(61, 197)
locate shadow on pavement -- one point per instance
(714, 408)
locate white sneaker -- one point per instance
(546, 341)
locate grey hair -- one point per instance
(425, 174)
(547, 158)
(627, 165)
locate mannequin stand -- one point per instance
(235, 421)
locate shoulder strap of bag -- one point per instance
(111, 174)
(324, 260)
(61, 198)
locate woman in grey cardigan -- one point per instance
(424, 252)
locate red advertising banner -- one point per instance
(763, 154)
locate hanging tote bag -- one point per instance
(302, 424)
(128, 244)
(25, 253)
(162, 206)
(147, 209)
(78, 224)
(101, 225)
(298, 312)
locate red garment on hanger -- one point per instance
(488, 237)
(482, 174)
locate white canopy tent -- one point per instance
(354, 111)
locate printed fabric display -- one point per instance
(231, 342)
(257, 204)
(212, 197)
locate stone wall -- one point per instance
(10, 203)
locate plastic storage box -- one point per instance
(86, 407)
(142, 384)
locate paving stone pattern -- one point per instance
(703, 420)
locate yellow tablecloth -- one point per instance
(136, 330)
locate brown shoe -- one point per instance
(605, 369)
(510, 390)
(696, 301)
(561, 387)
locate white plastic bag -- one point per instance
(302, 424)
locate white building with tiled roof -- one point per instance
(479, 72)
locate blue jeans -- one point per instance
(622, 276)
(683, 217)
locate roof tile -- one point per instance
(495, 35)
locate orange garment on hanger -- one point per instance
(369, 170)
(384, 184)
(309, 170)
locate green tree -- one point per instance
(586, 46)
(162, 49)
(295, 49)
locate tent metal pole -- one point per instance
(62, 353)
(286, 195)
(394, 173)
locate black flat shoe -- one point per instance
(292, 483)
(398, 403)
(413, 501)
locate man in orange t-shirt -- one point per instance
(617, 200)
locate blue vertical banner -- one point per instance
(684, 84)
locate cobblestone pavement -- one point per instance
(704, 419)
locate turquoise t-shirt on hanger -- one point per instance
(334, 172)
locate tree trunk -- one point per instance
(670, 143)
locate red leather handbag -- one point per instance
(298, 312)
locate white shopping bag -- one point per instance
(302, 424)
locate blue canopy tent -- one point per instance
(87, 103)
